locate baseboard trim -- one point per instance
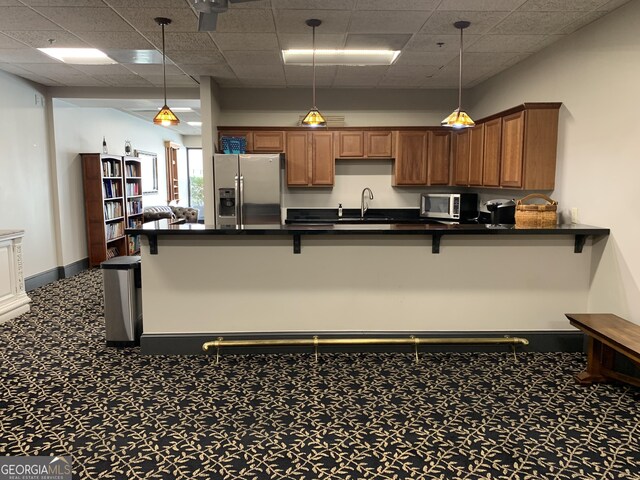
(41, 279)
(191, 344)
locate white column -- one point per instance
(210, 112)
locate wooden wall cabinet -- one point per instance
(476, 155)
(310, 159)
(529, 147)
(364, 144)
(492, 153)
(410, 167)
(461, 157)
(439, 158)
(267, 142)
(246, 134)
(104, 206)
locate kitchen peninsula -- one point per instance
(200, 282)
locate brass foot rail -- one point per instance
(315, 342)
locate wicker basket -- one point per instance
(536, 215)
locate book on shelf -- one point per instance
(132, 169)
(134, 207)
(111, 168)
(133, 188)
(114, 230)
(112, 210)
(112, 252)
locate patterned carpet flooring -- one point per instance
(350, 416)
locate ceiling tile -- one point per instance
(198, 41)
(49, 70)
(520, 23)
(370, 21)
(426, 58)
(471, 59)
(42, 39)
(260, 71)
(401, 82)
(98, 70)
(229, 82)
(11, 68)
(356, 82)
(293, 21)
(182, 19)
(115, 40)
(581, 22)
(313, 4)
(481, 5)
(441, 22)
(612, 5)
(246, 20)
(243, 41)
(350, 71)
(23, 18)
(64, 3)
(10, 3)
(262, 82)
(304, 40)
(145, 3)
(508, 43)
(298, 75)
(126, 80)
(25, 55)
(43, 80)
(252, 4)
(204, 57)
(217, 71)
(395, 41)
(86, 19)
(152, 69)
(253, 57)
(397, 4)
(561, 5)
(410, 71)
(172, 80)
(8, 42)
(450, 43)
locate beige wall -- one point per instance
(595, 73)
(81, 130)
(26, 182)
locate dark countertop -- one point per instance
(163, 227)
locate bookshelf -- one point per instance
(133, 201)
(104, 203)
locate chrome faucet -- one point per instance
(363, 202)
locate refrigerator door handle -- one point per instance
(238, 207)
(241, 222)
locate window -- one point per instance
(196, 180)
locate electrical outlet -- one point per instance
(574, 215)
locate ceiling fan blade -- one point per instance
(207, 22)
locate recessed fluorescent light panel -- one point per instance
(195, 124)
(340, 57)
(79, 56)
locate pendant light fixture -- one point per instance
(459, 118)
(165, 116)
(314, 118)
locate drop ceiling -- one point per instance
(245, 51)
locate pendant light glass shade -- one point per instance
(459, 118)
(314, 118)
(165, 116)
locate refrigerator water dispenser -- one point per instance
(227, 205)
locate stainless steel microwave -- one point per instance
(452, 206)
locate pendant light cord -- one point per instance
(460, 75)
(313, 61)
(164, 68)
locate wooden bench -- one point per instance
(607, 334)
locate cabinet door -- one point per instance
(512, 148)
(350, 144)
(378, 144)
(411, 159)
(439, 157)
(492, 153)
(322, 159)
(271, 142)
(476, 145)
(461, 157)
(297, 158)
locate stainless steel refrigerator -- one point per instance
(247, 189)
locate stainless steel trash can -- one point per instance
(122, 300)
